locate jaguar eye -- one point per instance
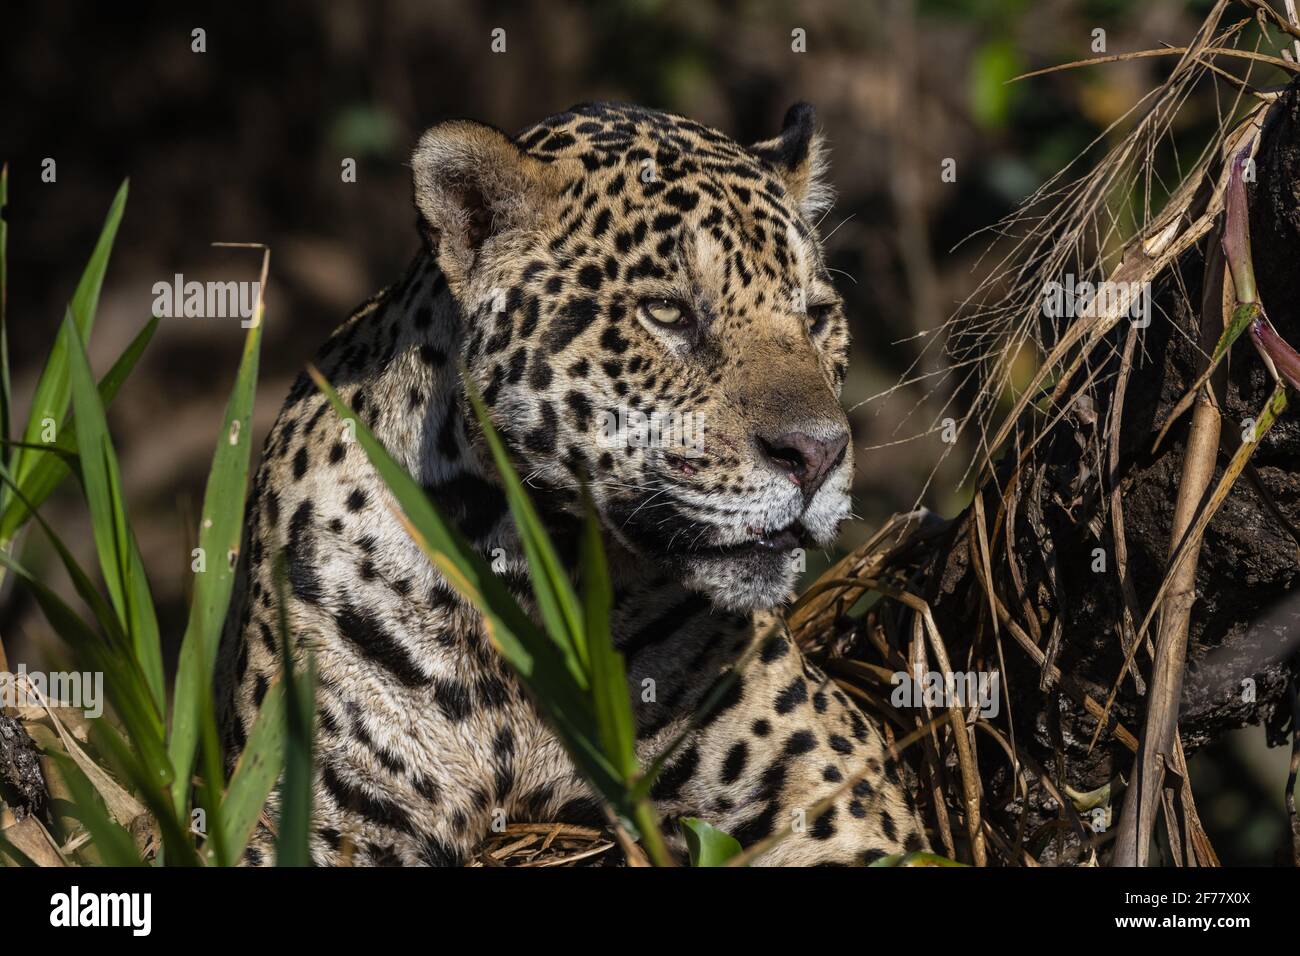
(665, 312)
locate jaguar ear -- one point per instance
(472, 184)
(798, 155)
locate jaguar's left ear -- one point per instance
(798, 155)
(473, 184)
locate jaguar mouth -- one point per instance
(776, 541)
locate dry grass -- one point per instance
(549, 844)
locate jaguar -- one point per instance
(610, 264)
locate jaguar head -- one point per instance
(647, 312)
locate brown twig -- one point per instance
(1156, 741)
(1163, 51)
(1129, 611)
(820, 604)
(1282, 23)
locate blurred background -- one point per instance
(244, 142)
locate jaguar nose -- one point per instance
(805, 460)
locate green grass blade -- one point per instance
(119, 555)
(142, 620)
(609, 689)
(68, 458)
(49, 466)
(707, 845)
(53, 389)
(292, 846)
(608, 673)
(556, 599)
(1242, 316)
(214, 779)
(219, 538)
(255, 774)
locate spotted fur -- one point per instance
(548, 259)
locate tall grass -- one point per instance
(134, 797)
